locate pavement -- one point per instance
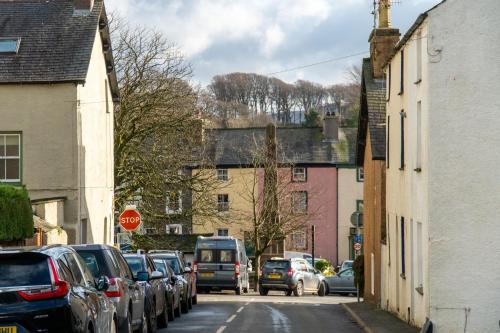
(275, 313)
(375, 320)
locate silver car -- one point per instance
(342, 283)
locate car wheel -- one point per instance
(163, 317)
(247, 288)
(263, 291)
(195, 299)
(177, 312)
(322, 289)
(171, 312)
(299, 289)
(289, 292)
(184, 306)
(190, 302)
(238, 290)
(151, 321)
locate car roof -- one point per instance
(92, 247)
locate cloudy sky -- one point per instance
(267, 36)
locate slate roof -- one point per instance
(56, 43)
(372, 115)
(296, 145)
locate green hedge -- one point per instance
(16, 215)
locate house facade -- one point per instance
(442, 108)
(58, 87)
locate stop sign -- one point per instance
(130, 219)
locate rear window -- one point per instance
(226, 256)
(135, 264)
(95, 263)
(206, 256)
(24, 271)
(276, 264)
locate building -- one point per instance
(307, 162)
(443, 131)
(58, 88)
(371, 149)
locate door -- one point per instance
(157, 285)
(312, 278)
(134, 288)
(207, 265)
(346, 281)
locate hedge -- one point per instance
(16, 215)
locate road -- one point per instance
(228, 313)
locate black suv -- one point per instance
(126, 293)
(49, 289)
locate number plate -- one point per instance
(8, 329)
(274, 276)
(207, 274)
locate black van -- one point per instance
(221, 263)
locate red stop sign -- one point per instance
(130, 219)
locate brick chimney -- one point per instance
(83, 4)
(331, 127)
(382, 39)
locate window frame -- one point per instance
(224, 230)
(418, 153)
(403, 250)
(402, 142)
(224, 173)
(296, 179)
(301, 212)
(222, 206)
(17, 40)
(179, 203)
(3, 159)
(303, 235)
(419, 57)
(360, 174)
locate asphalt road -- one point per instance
(218, 313)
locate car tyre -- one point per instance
(171, 315)
(263, 291)
(195, 299)
(322, 289)
(151, 320)
(299, 289)
(177, 312)
(163, 317)
(190, 302)
(185, 306)
(289, 292)
(238, 290)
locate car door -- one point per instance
(313, 277)
(156, 284)
(346, 279)
(136, 291)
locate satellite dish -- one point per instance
(357, 219)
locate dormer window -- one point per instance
(9, 45)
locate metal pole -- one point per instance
(313, 228)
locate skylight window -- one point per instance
(9, 45)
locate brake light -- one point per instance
(195, 267)
(114, 288)
(237, 268)
(290, 272)
(58, 289)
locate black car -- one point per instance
(144, 271)
(126, 293)
(49, 289)
(174, 287)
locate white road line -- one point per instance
(231, 318)
(240, 309)
(253, 299)
(247, 303)
(221, 329)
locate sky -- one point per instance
(267, 36)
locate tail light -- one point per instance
(195, 267)
(237, 268)
(114, 288)
(58, 289)
(290, 272)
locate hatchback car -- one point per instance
(144, 271)
(293, 275)
(342, 283)
(126, 293)
(50, 289)
(174, 287)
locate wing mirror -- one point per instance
(187, 269)
(142, 276)
(102, 283)
(156, 275)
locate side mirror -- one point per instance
(189, 264)
(102, 283)
(156, 275)
(142, 276)
(173, 279)
(187, 269)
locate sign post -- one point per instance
(130, 219)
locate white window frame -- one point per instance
(223, 175)
(299, 174)
(222, 206)
(224, 230)
(360, 174)
(167, 207)
(5, 158)
(173, 229)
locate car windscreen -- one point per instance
(95, 262)
(174, 264)
(135, 264)
(276, 264)
(22, 270)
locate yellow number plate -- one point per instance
(8, 329)
(274, 276)
(210, 274)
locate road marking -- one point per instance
(221, 329)
(247, 303)
(253, 299)
(231, 318)
(240, 309)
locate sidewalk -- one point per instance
(374, 320)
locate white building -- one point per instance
(443, 135)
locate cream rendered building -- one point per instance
(58, 88)
(443, 132)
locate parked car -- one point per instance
(342, 283)
(126, 293)
(174, 287)
(221, 263)
(183, 273)
(144, 271)
(50, 289)
(293, 275)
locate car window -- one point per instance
(76, 271)
(94, 260)
(113, 262)
(276, 264)
(346, 273)
(87, 275)
(24, 271)
(124, 269)
(135, 264)
(206, 256)
(226, 256)
(151, 265)
(174, 264)
(161, 266)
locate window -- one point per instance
(223, 202)
(388, 141)
(299, 174)
(418, 166)
(10, 158)
(402, 84)
(402, 162)
(174, 202)
(299, 239)
(299, 202)
(206, 256)
(419, 57)
(222, 232)
(226, 256)
(9, 45)
(403, 259)
(360, 174)
(174, 229)
(222, 175)
(389, 79)
(75, 269)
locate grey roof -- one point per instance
(372, 115)
(296, 145)
(56, 43)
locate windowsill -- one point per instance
(402, 169)
(418, 81)
(420, 290)
(402, 276)
(400, 93)
(13, 183)
(417, 169)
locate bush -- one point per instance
(322, 264)
(16, 215)
(358, 266)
